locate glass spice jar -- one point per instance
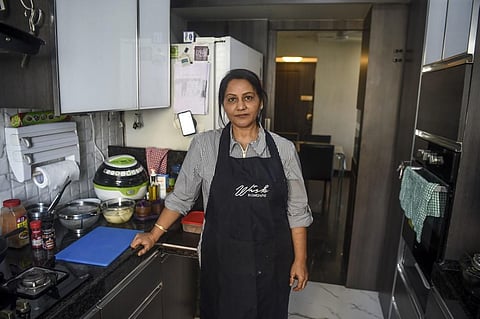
(48, 234)
(36, 234)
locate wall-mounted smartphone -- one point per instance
(187, 123)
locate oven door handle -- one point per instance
(422, 276)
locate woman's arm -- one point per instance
(148, 240)
(299, 271)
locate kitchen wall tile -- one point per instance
(5, 183)
(108, 129)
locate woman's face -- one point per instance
(241, 103)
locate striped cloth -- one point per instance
(419, 199)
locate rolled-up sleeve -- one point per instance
(188, 183)
(298, 210)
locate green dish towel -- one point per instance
(419, 199)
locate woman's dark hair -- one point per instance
(242, 74)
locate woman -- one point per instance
(253, 246)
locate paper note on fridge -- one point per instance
(190, 87)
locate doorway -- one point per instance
(332, 110)
(294, 95)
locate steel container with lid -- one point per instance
(120, 176)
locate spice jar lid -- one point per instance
(11, 202)
(35, 223)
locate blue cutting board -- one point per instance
(99, 247)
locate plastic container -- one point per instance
(193, 222)
(14, 216)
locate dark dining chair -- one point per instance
(292, 136)
(318, 138)
(317, 164)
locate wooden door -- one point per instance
(294, 96)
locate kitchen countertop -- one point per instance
(448, 280)
(101, 279)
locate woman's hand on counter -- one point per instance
(144, 240)
(148, 240)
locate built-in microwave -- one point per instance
(443, 100)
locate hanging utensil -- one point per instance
(58, 196)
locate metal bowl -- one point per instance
(79, 215)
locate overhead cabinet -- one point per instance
(112, 55)
(450, 30)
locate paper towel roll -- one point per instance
(54, 175)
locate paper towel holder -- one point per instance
(40, 144)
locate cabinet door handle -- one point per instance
(422, 276)
(147, 301)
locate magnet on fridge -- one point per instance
(189, 36)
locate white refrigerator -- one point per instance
(216, 56)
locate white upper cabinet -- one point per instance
(112, 54)
(435, 30)
(459, 27)
(451, 29)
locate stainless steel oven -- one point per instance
(436, 159)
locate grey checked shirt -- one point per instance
(198, 169)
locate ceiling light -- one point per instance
(292, 59)
(295, 59)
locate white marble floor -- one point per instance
(326, 301)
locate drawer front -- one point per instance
(403, 300)
(129, 296)
(394, 314)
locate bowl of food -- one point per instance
(118, 210)
(79, 215)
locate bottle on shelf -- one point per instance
(173, 177)
(153, 187)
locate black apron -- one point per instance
(246, 251)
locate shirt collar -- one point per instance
(258, 145)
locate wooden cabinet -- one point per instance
(451, 29)
(27, 84)
(139, 294)
(112, 55)
(164, 285)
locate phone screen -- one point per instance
(187, 123)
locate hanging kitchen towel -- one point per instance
(156, 160)
(419, 199)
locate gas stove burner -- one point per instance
(32, 292)
(36, 280)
